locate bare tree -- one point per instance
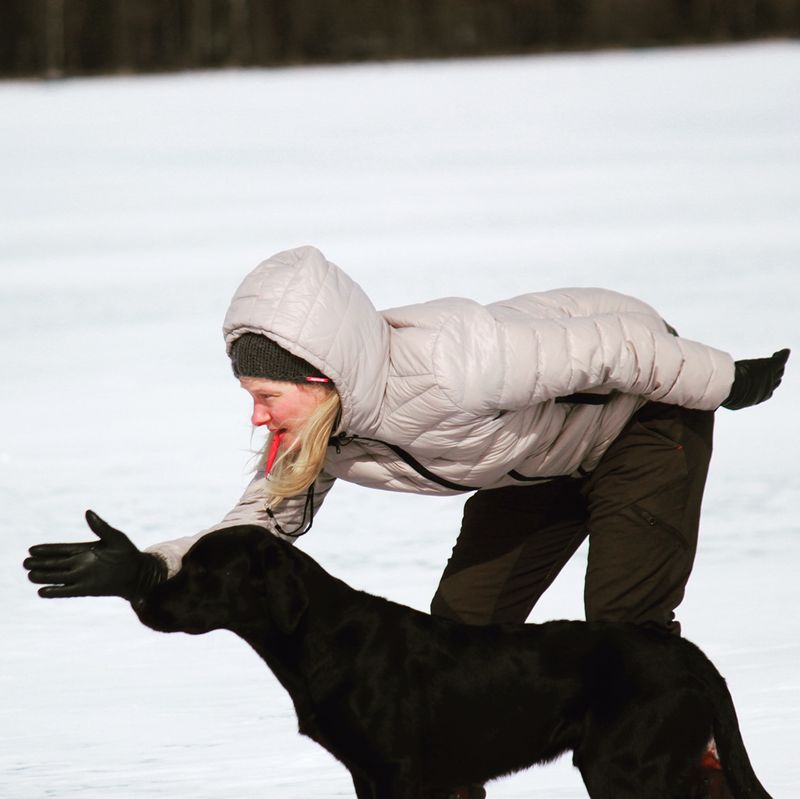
(240, 45)
(201, 33)
(54, 38)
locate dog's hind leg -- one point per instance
(649, 751)
(609, 780)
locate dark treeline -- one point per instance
(76, 37)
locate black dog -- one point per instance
(413, 705)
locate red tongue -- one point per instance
(273, 451)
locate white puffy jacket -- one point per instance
(450, 395)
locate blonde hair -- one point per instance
(296, 469)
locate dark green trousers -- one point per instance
(640, 509)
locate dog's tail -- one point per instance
(736, 766)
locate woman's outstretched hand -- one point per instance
(755, 380)
(111, 566)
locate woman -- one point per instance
(566, 413)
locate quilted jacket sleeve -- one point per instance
(292, 517)
(503, 358)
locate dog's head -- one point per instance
(238, 578)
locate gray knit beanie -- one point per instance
(254, 355)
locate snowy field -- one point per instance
(131, 208)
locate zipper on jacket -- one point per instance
(343, 439)
(525, 479)
(585, 399)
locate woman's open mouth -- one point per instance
(274, 446)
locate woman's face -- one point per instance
(282, 406)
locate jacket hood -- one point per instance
(314, 310)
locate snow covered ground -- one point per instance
(131, 208)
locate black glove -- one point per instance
(112, 566)
(755, 380)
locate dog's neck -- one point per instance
(302, 659)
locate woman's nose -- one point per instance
(260, 415)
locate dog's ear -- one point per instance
(284, 592)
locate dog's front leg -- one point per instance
(403, 789)
(392, 783)
(367, 789)
(363, 787)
